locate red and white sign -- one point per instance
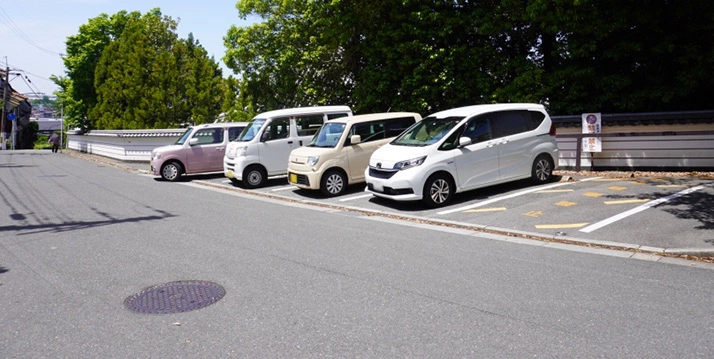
(592, 123)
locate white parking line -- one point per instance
(638, 209)
(356, 197)
(283, 188)
(481, 204)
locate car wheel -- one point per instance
(254, 176)
(542, 169)
(171, 171)
(333, 183)
(438, 190)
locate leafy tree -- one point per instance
(148, 78)
(424, 55)
(83, 53)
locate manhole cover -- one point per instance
(175, 297)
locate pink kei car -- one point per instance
(199, 150)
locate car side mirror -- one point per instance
(464, 141)
(355, 139)
(193, 141)
(265, 136)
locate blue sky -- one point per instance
(33, 32)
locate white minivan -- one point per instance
(462, 149)
(338, 155)
(262, 149)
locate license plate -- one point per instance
(229, 174)
(293, 178)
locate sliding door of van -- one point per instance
(513, 131)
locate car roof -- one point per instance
(221, 124)
(296, 111)
(469, 111)
(375, 116)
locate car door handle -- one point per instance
(290, 142)
(220, 148)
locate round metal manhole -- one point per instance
(175, 297)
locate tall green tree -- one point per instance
(149, 78)
(83, 53)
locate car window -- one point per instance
(209, 135)
(507, 123)
(396, 126)
(278, 128)
(234, 132)
(368, 131)
(478, 129)
(308, 125)
(537, 118)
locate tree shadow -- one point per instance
(698, 206)
(3, 270)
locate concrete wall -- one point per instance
(126, 145)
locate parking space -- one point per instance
(657, 212)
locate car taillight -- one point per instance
(552, 129)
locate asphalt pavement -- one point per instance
(676, 246)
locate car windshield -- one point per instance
(250, 131)
(184, 137)
(427, 131)
(328, 136)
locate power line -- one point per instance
(7, 19)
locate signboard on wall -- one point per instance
(592, 123)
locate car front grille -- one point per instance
(381, 173)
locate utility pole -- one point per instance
(4, 102)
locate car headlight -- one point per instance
(156, 155)
(312, 160)
(241, 151)
(409, 163)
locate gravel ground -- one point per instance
(636, 174)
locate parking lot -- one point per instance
(649, 213)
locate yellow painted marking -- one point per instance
(670, 185)
(626, 201)
(617, 188)
(555, 226)
(556, 191)
(534, 214)
(592, 194)
(487, 209)
(607, 179)
(565, 204)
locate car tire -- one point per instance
(171, 171)
(438, 190)
(542, 171)
(333, 183)
(254, 176)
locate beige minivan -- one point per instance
(338, 154)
